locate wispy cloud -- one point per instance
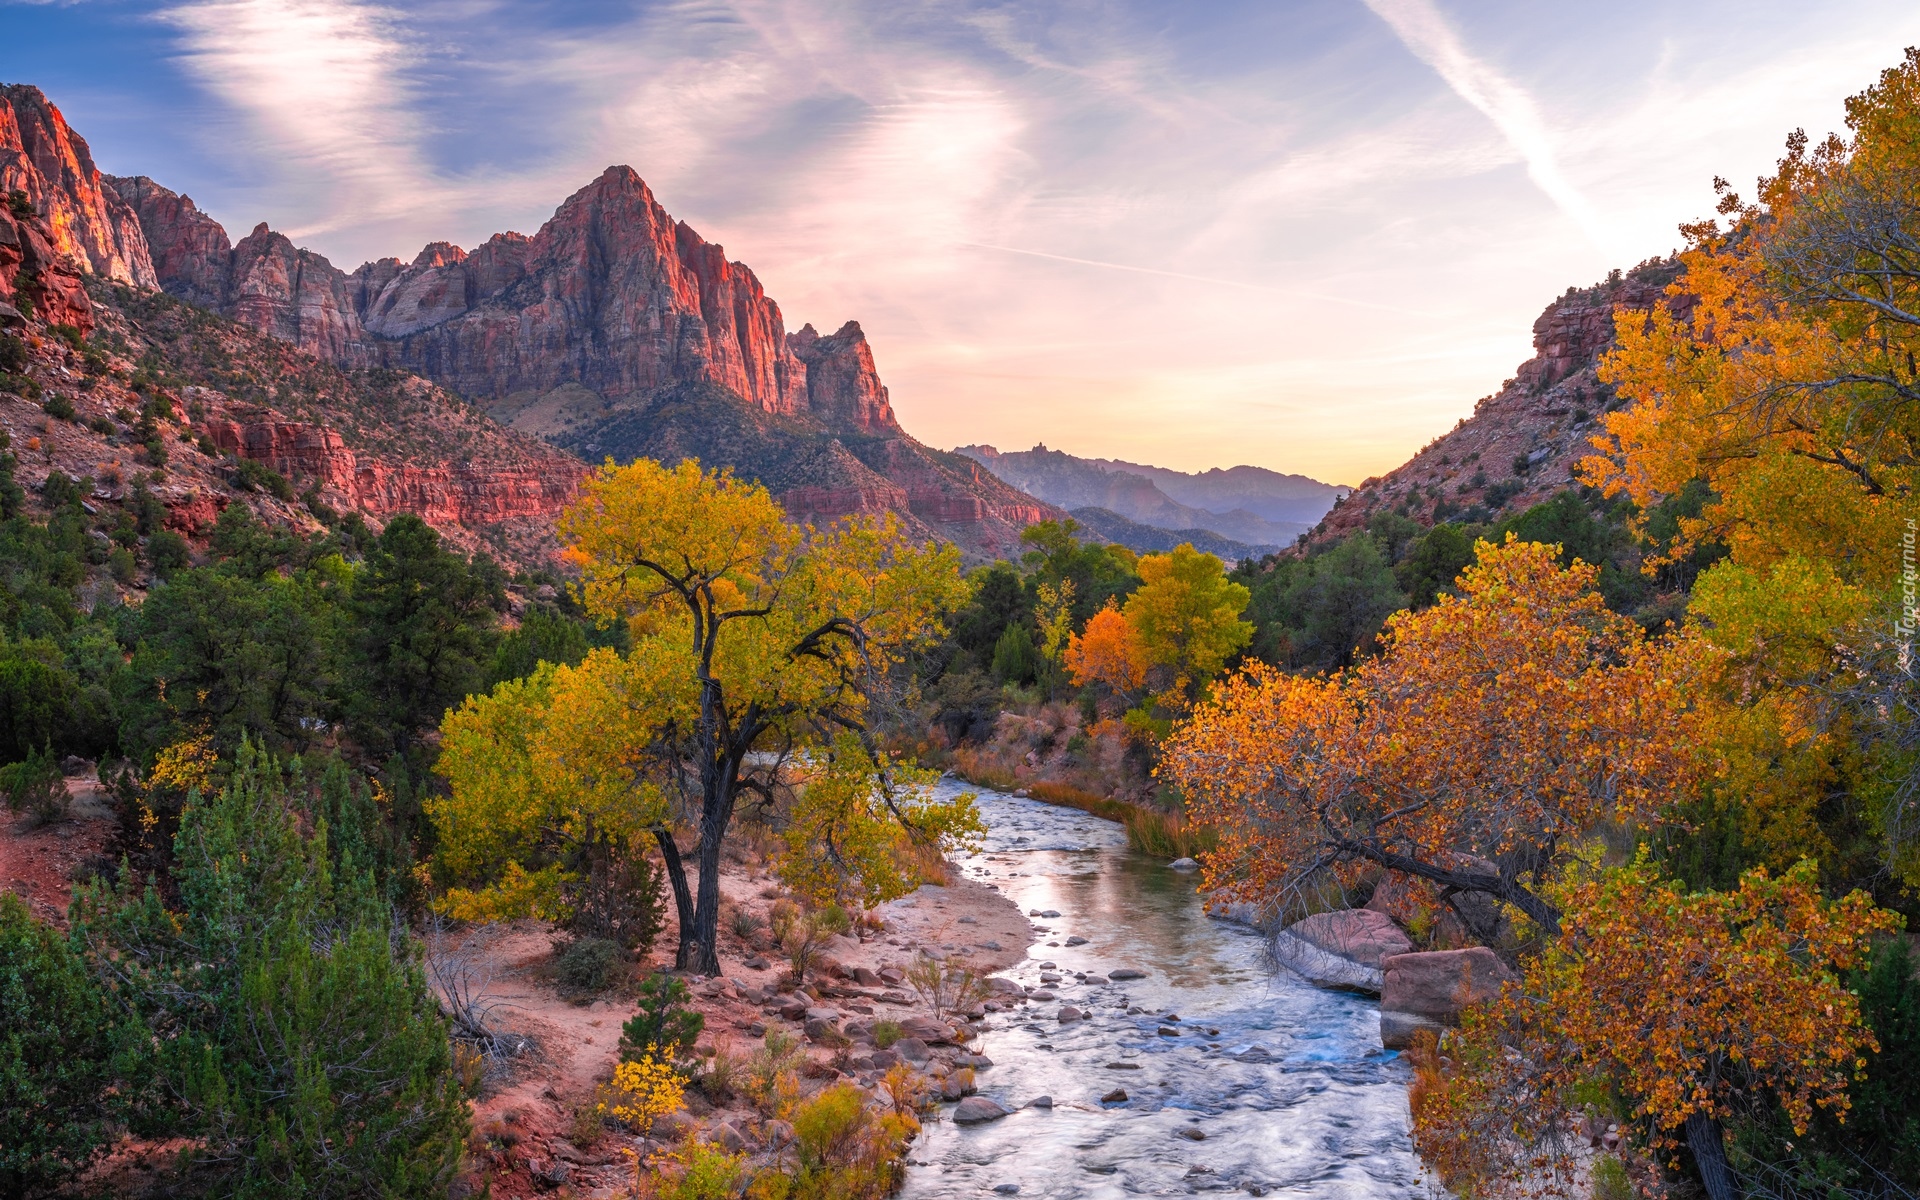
(323, 86)
(1425, 31)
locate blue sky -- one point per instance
(1306, 235)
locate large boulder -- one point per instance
(1439, 984)
(1341, 949)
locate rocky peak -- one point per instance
(296, 296)
(191, 256)
(41, 156)
(843, 385)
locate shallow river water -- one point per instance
(1287, 1083)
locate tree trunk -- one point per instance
(682, 895)
(699, 950)
(1710, 1156)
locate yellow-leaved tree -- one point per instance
(1781, 373)
(759, 652)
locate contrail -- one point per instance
(1232, 283)
(1424, 30)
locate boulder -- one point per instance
(1341, 949)
(1069, 1014)
(1397, 1029)
(927, 1030)
(977, 1109)
(1438, 984)
(912, 1049)
(1183, 864)
(1126, 973)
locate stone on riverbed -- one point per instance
(1341, 949)
(975, 1110)
(1126, 973)
(1439, 984)
(1183, 864)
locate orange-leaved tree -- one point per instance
(759, 650)
(1683, 1003)
(1107, 652)
(1489, 737)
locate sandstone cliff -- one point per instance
(613, 330)
(89, 222)
(1522, 443)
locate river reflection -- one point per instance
(1263, 1086)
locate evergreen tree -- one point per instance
(60, 1049)
(300, 1042)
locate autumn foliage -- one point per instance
(1476, 751)
(1686, 1003)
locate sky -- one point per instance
(1301, 234)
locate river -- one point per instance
(1285, 1085)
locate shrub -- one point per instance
(946, 987)
(588, 964)
(13, 354)
(306, 1053)
(57, 1056)
(121, 566)
(1610, 1180)
(251, 475)
(886, 1033)
(745, 923)
(663, 1021)
(34, 786)
(642, 1091)
(18, 203)
(59, 407)
(168, 552)
(690, 1171)
(846, 1151)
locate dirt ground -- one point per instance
(40, 863)
(572, 1047)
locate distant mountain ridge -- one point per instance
(1258, 509)
(1109, 526)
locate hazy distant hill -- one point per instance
(1248, 505)
(1288, 499)
(1109, 526)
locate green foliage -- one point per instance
(168, 552)
(1014, 658)
(1432, 563)
(587, 965)
(42, 704)
(13, 354)
(18, 204)
(295, 1030)
(59, 407)
(999, 601)
(252, 475)
(545, 635)
(61, 1047)
(34, 786)
(421, 623)
(663, 1020)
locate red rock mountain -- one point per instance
(613, 330)
(1522, 443)
(73, 254)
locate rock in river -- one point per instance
(976, 1109)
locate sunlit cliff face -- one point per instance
(1306, 236)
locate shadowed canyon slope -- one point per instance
(1522, 444)
(612, 331)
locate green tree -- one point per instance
(422, 626)
(1433, 563)
(61, 1048)
(297, 1037)
(1014, 658)
(1341, 602)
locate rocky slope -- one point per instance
(167, 401)
(613, 330)
(1143, 495)
(1522, 443)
